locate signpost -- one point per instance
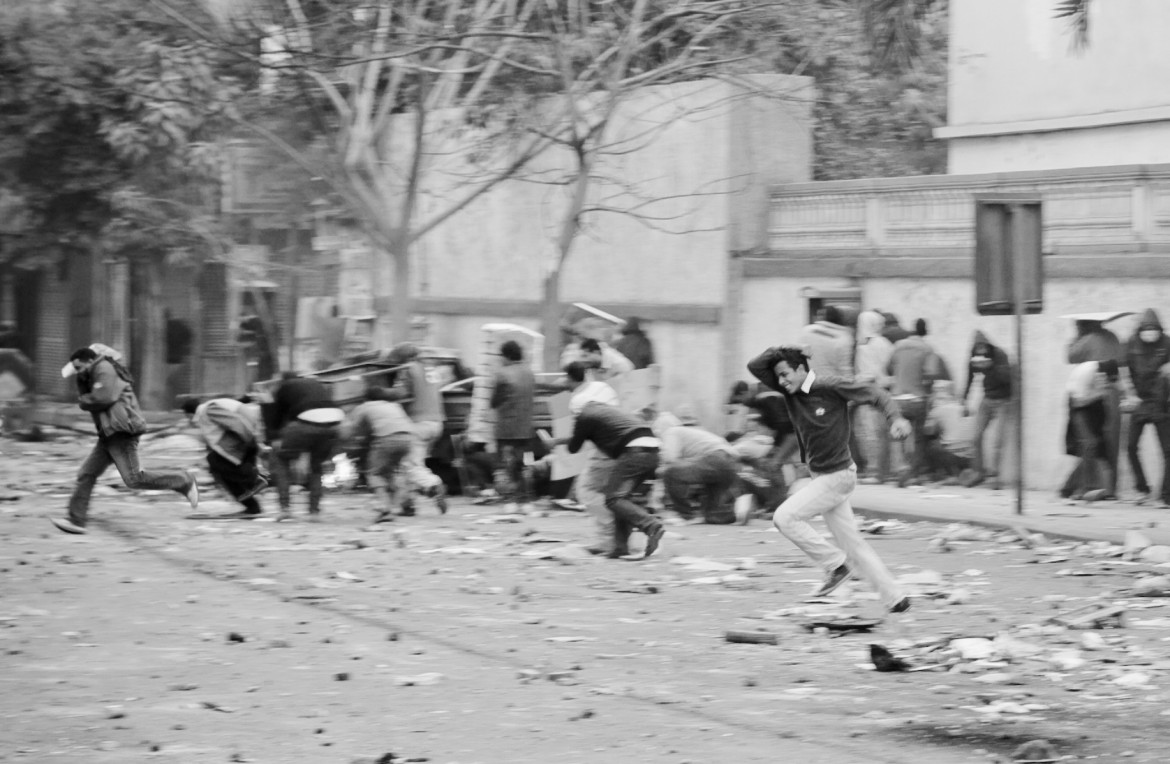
(1009, 280)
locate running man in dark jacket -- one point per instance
(819, 408)
(632, 445)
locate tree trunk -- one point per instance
(152, 382)
(400, 305)
(292, 253)
(550, 320)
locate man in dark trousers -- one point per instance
(1147, 351)
(514, 398)
(106, 390)
(990, 362)
(632, 445)
(819, 408)
(301, 420)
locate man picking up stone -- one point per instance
(634, 450)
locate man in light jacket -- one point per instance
(230, 429)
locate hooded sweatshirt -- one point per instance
(830, 345)
(1145, 358)
(635, 345)
(992, 362)
(873, 349)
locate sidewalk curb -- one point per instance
(992, 524)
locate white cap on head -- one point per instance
(68, 369)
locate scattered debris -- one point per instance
(1035, 752)
(421, 680)
(752, 637)
(1092, 617)
(844, 625)
(884, 660)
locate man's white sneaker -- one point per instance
(744, 506)
(192, 492)
(65, 525)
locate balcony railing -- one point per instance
(1087, 211)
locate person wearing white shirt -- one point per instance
(1089, 387)
(590, 483)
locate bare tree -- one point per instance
(605, 55)
(367, 98)
(382, 95)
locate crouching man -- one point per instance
(634, 450)
(230, 429)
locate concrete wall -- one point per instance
(1013, 74)
(680, 147)
(705, 154)
(1116, 144)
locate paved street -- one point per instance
(481, 637)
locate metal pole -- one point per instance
(1017, 248)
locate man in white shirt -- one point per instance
(590, 483)
(1089, 387)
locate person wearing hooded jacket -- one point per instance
(872, 359)
(634, 344)
(990, 362)
(1145, 354)
(830, 344)
(106, 390)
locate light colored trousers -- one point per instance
(827, 494)
(590, 486)
(414, 467)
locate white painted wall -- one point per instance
(712, 163)
(1013, 72)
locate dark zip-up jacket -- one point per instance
(821, 415)
(1144, 359)
(609, 428)
(997, 378)
(293, 398)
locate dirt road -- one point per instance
(477, 637)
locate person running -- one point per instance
(106, 390)
(380, 426)
(230, 430)
(819, 407)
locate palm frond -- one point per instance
(1077, 14)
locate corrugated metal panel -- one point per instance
(53, 338)
(218, 338)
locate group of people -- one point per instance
(946, 442)
(799, 456)
(1115, 387)
(629, 449)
